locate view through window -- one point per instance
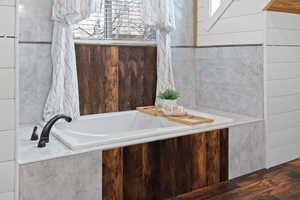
(214, 5)
(115, 20)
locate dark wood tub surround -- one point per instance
(166, 169)
(120, 78)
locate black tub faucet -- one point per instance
(47, 129)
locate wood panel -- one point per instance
(97, 69)
(199, 157)
(224, 153)
(288, 6)
(172, 167)
(115, 78)
(151, 170)
(133, 174)
(112, 180)
(137, 77)
(279, 183)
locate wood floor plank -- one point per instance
(279, 183)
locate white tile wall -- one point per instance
(7, 115)
(7, 20)
(283, 71)
(7, 90)
(7, 3)
(283, 87)
(284, 121)
(282, 83)
(7, 100)
(7, 196)
(7, 56)
(7, 174)
(7, 142)
(282, 104)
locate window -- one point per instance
(214, 5)
(115, 20)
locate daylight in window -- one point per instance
(214, 5)
(115, 20)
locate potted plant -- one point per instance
(168, 98)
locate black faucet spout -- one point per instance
(47, 129)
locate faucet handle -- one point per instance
(34, 136)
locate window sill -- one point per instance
(117, 42)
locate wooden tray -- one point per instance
(187, 119)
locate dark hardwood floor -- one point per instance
(279, 183)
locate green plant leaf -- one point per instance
(169, 95)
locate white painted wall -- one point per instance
(282, 85)
(7, 100)
(241, 23)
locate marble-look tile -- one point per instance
(35, 20)
(184, 75)
(70, 178)
(246, 149)
(35, 80)
(183, 35)
(187, 93)
(230, 79)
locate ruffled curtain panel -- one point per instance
(63, 96)
(159, 14)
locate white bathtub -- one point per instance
(115, 129)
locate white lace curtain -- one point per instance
(159, 14)
(63, 96)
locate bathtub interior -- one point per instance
(116, 123)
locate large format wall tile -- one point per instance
(183, 35)
(70, 178)
(35, 20)
(246, 149)
(35, 81)
(185, 78)
(231, 79)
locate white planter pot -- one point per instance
(167, 103)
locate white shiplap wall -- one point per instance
(282, 84)
(241, 23)
(7, 100)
